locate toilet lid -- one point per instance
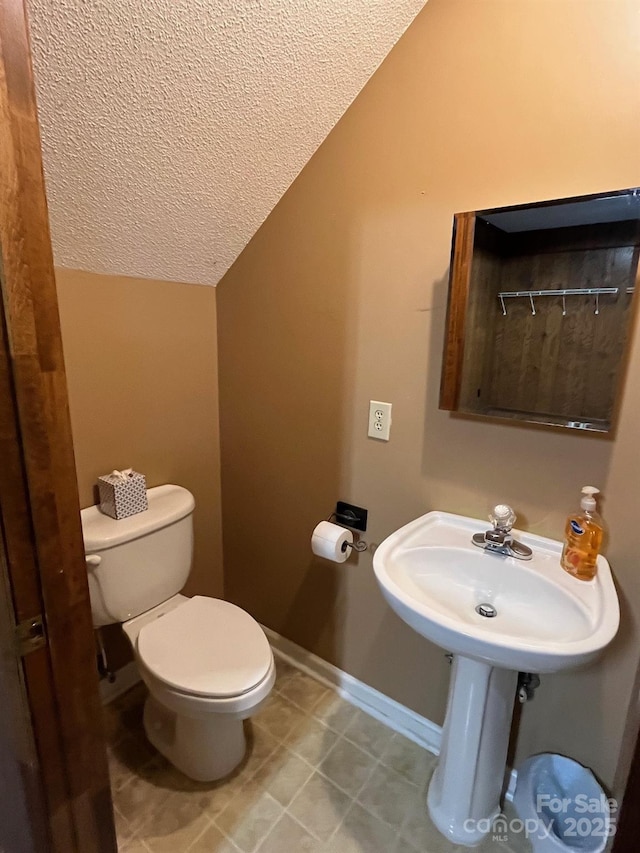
(206, 646)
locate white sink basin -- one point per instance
(434, 578)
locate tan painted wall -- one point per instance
(340, 298)
(141, 366)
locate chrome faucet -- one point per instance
(499, 539)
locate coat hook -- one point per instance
(533, 307)
(504, 307)
(564, 306)
(597, 311)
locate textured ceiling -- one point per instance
(171, 128)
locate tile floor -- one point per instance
(320, 776)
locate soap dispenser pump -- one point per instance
(583, 538)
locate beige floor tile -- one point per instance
(419, 831)
(389, 796)
(288, 836)
(284, 671)
(360, 832)
(402, 846)
(304, 691)
(129, 709)
(162, 774)
(279, 716)
(320, 807)
(311, 740)
(260, 745)
(175, 827)
(368, 733)
(212, 840)
(206, 798)
(348, 766)
(514, 842)
(343, 843)
(283, 775)
(139, 798)
(334, 712)
(408, 759)
(133, 698)
(134, 845)
(210, 797)
(249, 817)
(112, 724)
(124, 833)
(125, 757)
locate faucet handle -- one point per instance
(502, 516)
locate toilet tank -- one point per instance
(138, 562)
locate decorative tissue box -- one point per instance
(122, 493)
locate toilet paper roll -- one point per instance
(330, 541)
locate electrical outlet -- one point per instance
(379, 420)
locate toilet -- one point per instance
(206, 663)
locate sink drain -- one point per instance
(487, 610)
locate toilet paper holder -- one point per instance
(357, 545)
(351, 516)
(343, 520)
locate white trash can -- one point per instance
(562, 806)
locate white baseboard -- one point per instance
(388, 711)
(125, 678)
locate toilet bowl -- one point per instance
(206, 662)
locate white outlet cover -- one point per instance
(379, 420)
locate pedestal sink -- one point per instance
(498, 616)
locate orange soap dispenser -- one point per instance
(583, 538)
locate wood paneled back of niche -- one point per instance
(564, 359)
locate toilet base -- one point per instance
(203, 748)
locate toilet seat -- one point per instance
(206, 647)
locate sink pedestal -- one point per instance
(464, 794)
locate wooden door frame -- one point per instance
(39, 507)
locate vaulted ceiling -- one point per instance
(171, 128)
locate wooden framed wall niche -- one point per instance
(540, 305)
